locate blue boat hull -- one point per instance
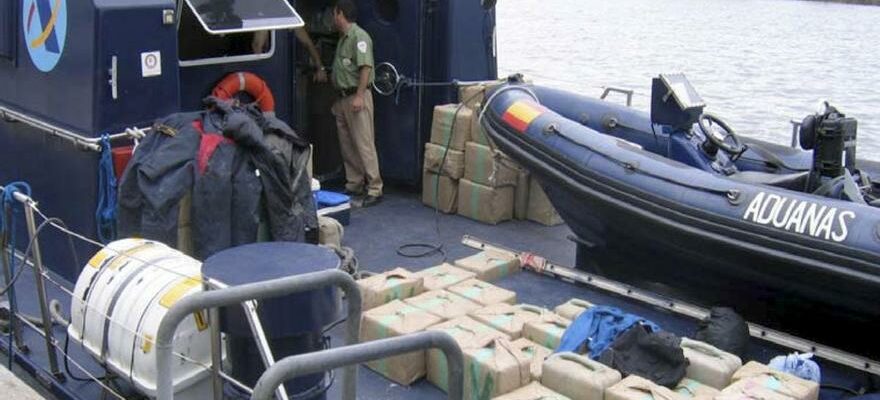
(666, 226)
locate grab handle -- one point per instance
(702, 348)
(580, 303)
(532, 309)
(583, 361)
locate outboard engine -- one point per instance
(832, 137)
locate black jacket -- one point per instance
(238, 164)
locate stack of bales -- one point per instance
(508, 347)
(464, 172)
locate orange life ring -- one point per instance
(249, 83)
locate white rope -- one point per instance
(117, 252)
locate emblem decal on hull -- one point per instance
(520, 114)
(803, 217)
(44, 23)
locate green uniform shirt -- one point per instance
(355, 50)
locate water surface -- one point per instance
(757, 63)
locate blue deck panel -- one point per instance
(375, 234)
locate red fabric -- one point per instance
(207, 146)
(121, 157)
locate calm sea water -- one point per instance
(757, 63)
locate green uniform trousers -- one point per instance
(357, 144)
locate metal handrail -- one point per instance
(627, 92)
(80, 141)
(254, 291)
(304, 364)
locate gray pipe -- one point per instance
(253, 291)
(304, 364)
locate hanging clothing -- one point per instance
(223, 157)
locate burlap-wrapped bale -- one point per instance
(443, 304)
(483, 293)
(540, 209)
(546, 330)
(451, 126)
(754, 377)
(473, 95)
(578, 376)
(445, 162)
(635, 387)
(396, 319)
(468, 333)
(532, 391)
(489, 167)
(444, 276)
(572, 308)
(507, 318)
(478, 133)
(708, 364)
(487, 204)
(695, 390)
(536, 353)
(439, 192)
(395, 284)
(494, 368)
(489, 265)
(521, 196)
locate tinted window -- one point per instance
(225, 16)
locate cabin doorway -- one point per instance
(313, 100)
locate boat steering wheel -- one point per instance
(721, 135)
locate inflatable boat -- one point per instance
(675, 200)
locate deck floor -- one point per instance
(376, 233)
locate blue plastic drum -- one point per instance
(293, 324)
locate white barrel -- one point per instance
(119, 300)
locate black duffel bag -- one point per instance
(654, 356)
(726, 330)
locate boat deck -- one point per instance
(376, 233)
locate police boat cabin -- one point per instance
(72, 72)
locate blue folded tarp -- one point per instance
(326, 198)
(598, 327)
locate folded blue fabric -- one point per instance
(799, 365)
(598, 327)
(326, 198)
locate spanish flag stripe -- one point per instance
(520, 114)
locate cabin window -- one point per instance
(225, 31)
(8, 29)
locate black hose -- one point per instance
(429, 248)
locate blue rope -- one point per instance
(8, 227)
(105, 215)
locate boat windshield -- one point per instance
(232, 16)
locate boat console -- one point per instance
(705, 141)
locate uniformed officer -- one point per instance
(352, 76)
